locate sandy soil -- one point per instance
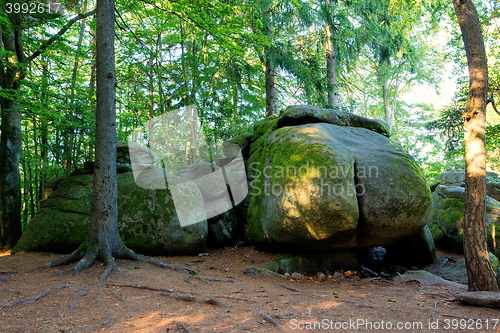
(141, 297)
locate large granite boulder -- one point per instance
(147, 219)
(322, 186)
(447, 219)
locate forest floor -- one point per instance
(140, 297)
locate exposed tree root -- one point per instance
(266, 317)
(206, 279)
(71, 308)
(288, 287)
(139, 257)
(211, 301)
(6, 278)
(31, 299)
(107, 320)
(12, 291)
(87, 254)
(183, 326)
(152, 288)
(237, 298)
(234, 278)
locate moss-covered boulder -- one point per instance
(323, 187)
(447, 219)
(147, 220)
(261, 131)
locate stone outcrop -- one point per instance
(320, 186)
(147, 220)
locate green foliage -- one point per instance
(212, 54)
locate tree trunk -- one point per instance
(479, 269)
(10, 142)
(43, 159)
(103, 240)
(270, 88)
(92, 64)
(103, 231)
(388, 110)
(331, 63)
(269, 70)
(45, 137)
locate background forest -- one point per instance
(238, 61)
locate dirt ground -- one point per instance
(218, 297)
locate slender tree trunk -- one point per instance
(34, 191)
(235, 96)
(159, 48)
(33, 172)
(151, 89)
(44, 138)
(43, 159)
(67, 152)
(388, 110)
(331, 63)
(270, 73)
(270, 88)
(92, 63)
(479, 269)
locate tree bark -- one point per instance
(270, 88)
(331, 63)
(103, 230)
(10, 143)
(103, 240)
(388, 108)
(269, 69)
(479, 269)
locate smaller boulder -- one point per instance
(257, 271)
(447, 219)
(456, 177)
(458, 271)
(427, 278)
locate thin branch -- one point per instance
(61, 32)
(492, 101)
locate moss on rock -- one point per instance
(302, 164)
(447, 219)
(147, 220)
